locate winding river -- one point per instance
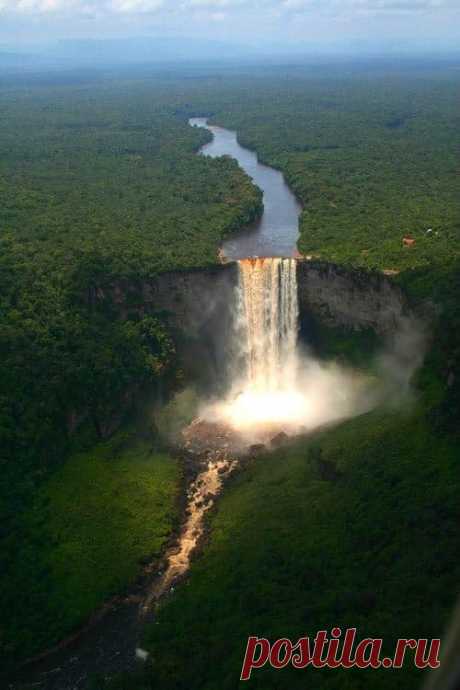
(276, 232)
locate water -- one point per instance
(200, 498)
(265, 396)
(276, 233)
(269, 315)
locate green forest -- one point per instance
(296, 550)
(373, 160)
(100, 182)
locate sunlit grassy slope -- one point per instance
(83, 539)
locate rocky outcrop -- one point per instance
(350, 298)
(198, 307)
(195, 302)
(198, 304)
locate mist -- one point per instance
(276, 384)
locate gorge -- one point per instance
(236, 326)
(217, 418)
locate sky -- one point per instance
(433, 25)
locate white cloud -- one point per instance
(136, 6)
(208, 3)
(327, 6)
(251, 6)
(277, 24)
(68, 7)
(26, 6)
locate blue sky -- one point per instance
(431, 24)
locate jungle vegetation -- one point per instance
(353, 527)
(83, 538)
(100, 183)
(372, 541)
(372, 159)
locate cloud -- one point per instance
(69, 7)
(358, 6)
(22, 7)
(31, 6)
(136, 6)
(275, 24)
(211, 3)
(401, 5)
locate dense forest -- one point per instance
(296, 548)
(372, 160)
(100, 182)
(97, 185)
(371, 541)
(373, 157)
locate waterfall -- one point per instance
(268, 318)
(273, 386)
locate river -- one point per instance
(276, 232)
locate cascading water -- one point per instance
(266, 336)
(268, 317)
(274, 387)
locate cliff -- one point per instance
(349, 298)
(196, 305)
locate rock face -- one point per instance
(202, 437)
(198, 307)
(193, 301)
(199, 303)
(352, 298)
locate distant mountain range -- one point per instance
(101, 53)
